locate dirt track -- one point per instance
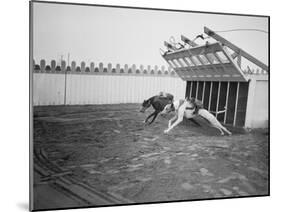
(108, 147)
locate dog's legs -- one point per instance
(156, 113)
(180, 114)
(219, 128)
(179, 120)
(152, 114)
(226, 130)
(171, 120)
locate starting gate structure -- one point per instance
(213, 74)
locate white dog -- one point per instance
(186, 108)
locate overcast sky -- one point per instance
(131, 36)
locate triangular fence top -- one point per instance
(209, 62)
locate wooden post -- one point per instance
(203, 92)
(209, 104)
(191, 85)
(218, 99)
(226, 103)
(236, 103)
(197, 85)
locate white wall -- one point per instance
(48, 89)
(258, 99)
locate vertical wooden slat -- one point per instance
(210, 97)
(203, 93)
(196, 94)
(191, 85)
(218, 99)
(236, 103)
(222, 100)
(226, 102)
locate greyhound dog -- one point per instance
(158, 102)
(185, 108)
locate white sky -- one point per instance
(131, 36)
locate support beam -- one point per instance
(225, 52)
(239, 59)
(235, 48)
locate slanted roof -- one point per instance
(210, 62)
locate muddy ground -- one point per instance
(108, 147)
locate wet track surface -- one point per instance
(108, 148)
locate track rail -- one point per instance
(82, 193)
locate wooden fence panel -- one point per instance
(101, 89)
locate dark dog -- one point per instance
(158, 103)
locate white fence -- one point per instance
(57, 86)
